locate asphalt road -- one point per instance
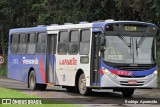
(97, 98)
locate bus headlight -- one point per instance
(107, 72)
(152, 75)
(156, 72)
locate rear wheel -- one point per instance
(33, 84)
(82, 85)
(32, 80)
(127, 92)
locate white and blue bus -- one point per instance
(118, 55)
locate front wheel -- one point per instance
(127, 92)
(82, 85)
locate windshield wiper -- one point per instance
(140, 42)
(138, 45)
(124, 40)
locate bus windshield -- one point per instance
(129, 49)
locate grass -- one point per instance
(9, 93)
(3, 72)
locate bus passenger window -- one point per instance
(63, 42)
(85, 35)
(74, 42)
(31, 46)
(14, 38)
(31, 38)
(75, 36)
(64, 36)
(22, 44)
(41, 43)
(13, 48)
(14, 43)
(62, 48)
(73, 48)
(21, 49)
(85, 42)
(23, 38)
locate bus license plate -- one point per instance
(132, 82)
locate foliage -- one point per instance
(18, 13)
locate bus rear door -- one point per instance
(52, 42)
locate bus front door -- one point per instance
(52, 42)
(95, 60)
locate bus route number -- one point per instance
(130, 28)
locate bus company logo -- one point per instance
(29, 61)
(72, 61)
(131, 74)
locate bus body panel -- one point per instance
(68, 65)
(20, 65)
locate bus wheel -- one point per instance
(32, 80)
(70, 89)
(127, 92)
(82, 85)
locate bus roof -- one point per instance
(70, 26)
(31, 29)
(56, 27)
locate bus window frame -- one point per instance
(25, 43)
(11, 35)
(28, 42)
(45, 44)
(59, 42)
(89, 42)
(74, 42)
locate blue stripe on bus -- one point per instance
(136, 73)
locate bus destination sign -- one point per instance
(130, 28)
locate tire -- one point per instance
(32, 81)
(128, 92)
(70, 89)
(83, 90)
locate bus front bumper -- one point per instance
(119, 82)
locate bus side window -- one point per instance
(41, 43)
(22, 44)
(31, 46)
(63, 42)
(74, 42)
(85, 42)
(14, 43)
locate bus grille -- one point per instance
(125, 83)
(131, 76)
(130, 67)
(134, 68)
